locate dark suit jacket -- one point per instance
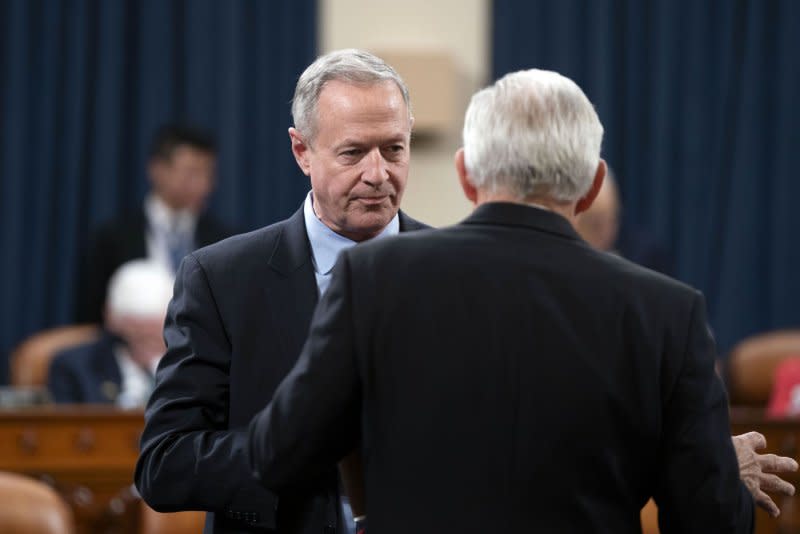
(508, 378)
(234, 329)
(88, 373)
(121, 240)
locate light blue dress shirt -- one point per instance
(327, 244)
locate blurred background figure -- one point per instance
(172, 220)
(601, 226)
(119, 366)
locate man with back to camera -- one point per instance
(241, 308)
(172, 221)
(503, 375)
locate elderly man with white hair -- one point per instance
(119, 367)
(502, 375)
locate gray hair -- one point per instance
(348, 65)
(533, 132)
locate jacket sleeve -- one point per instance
(190, 459)
(698, 488)
(314, 416)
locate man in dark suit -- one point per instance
(172, 221)
(118, 367)
(502, 374)
(241, 308)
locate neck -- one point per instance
(565, 209)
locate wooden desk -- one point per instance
(87, 453)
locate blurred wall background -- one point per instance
(698, 100)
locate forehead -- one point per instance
(189, 155)
(345, 108)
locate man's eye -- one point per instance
(352, 152)
(394, 150)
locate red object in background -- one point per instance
(785, 398)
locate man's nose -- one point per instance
(376, 171)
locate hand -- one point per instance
(756, 470)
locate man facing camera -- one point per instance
(242, 307)
(118, 367)
(503, 375)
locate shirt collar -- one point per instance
(165, 218)
(327, 244)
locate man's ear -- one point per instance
(470, 191)
(587, 200)
(300, 150)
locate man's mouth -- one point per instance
(372, 201)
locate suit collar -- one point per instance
(105, 370)
(291, 250)
(407, 224)
(511, 214)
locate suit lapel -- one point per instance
(294, 295)
(407, 224)
(291, 295)
(106, 371)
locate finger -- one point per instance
(776, 464)
(754, 439)
(764, 501)
(775, 484)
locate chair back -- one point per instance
(752, 365)
(32, 507)
(30, 361)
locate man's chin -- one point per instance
(369, 225)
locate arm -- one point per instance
(313, 418)
(190, 458)
(698, 487)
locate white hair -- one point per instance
(140, 288)
(533, 132)
(349, 65)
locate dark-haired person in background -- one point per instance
(171, 222)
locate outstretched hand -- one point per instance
(757, 471)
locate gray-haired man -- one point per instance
(242, 307)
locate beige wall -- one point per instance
(458, 28)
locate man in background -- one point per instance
(242, 307)
(502, 375)
(119, 367)
(602, 227)
(171, 222)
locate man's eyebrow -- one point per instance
(348, 142)
(399, 138)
